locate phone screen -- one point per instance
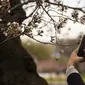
(81, 47)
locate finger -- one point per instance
(84, 50)
(81, 59)
(74, 52)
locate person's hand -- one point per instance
(74, 59)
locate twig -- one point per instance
(75, 8)
(52, 42)
(7, 39)
(21, 4)
(62, 15)
(48, 14)
(32, 12)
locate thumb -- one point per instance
(81, 59)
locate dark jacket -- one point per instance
(75, 79)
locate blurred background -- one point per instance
(51, 60)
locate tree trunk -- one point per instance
(16, 65)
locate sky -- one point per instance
(74, 3)
(75, 28)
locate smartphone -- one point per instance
(81, 47)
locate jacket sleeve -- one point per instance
(75, 79)
(73, 76)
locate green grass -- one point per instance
(55, 79)
(62, 79)
(83, 77)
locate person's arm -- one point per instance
(73, 76)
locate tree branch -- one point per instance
(48, 14)
(21, 4)
(75, 8)
(32, 12)
(62, 15)
(51, 43)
